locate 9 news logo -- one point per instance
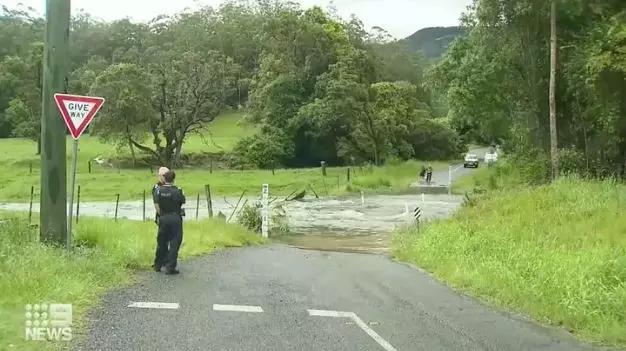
(48, 322)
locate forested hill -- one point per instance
(433, 42)
(319, 88)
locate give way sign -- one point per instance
(78, 111)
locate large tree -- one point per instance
(497, 81)
(168, 101)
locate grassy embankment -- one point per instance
(556, 252)
(103, 183)
(108, 252)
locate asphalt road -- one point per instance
(387, 306)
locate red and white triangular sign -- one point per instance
(78, 111)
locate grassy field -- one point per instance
(130, 184)
(220, 135)
(556, 253)
(103, 183)
(31, 273)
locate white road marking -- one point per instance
(457, 168)
(237, 308)
(157, 305)
(337, 314)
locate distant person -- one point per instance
(429, 174)
(169, 201)
(422, 172)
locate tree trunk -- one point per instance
(132, 151)
(554, 156)
(177, 152)
(376, 160)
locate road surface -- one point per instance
(281, 298)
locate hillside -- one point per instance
(433, 42)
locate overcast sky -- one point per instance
(400, 17)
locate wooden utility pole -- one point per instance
(554, 150)
(53, 214)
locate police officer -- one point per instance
(168, 200)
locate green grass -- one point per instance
(105, 184)
(221, 135)
(555, 252)
(33, 273)
(469, 182)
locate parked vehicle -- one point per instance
(491, 157)
(471, 160)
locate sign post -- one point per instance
(265, 211)
(77, 111)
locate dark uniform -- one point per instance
(429, 174)
(170, 200)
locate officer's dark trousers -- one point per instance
(169, 239)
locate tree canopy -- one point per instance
(321, 87)
(496, 80)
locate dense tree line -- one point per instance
(496, 80)
(322, 88)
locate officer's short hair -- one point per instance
(170, 176)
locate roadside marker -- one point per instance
(237, 308)
(154, 305)
(369, 331)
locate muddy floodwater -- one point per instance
(352, 224)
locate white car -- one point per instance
(491, 157)
(471, 160)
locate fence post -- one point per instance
(117, 205)
(323, 164)
(211, 166)
(209, 202)
(30, 209)
(265, 211)
(450, 180)
(144, 205)
(31, 167)
(78, 204)
(348, 172)
(89, 166)
(197, 206)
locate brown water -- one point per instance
(351, 224)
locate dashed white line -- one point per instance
(237, 308)
(155, 305)
(338, 314)
(335, 314)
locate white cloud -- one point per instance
(399, 17)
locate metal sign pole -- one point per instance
(71, 199)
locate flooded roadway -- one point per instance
(348, 224)
(336, 224)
